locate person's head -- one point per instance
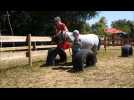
(57, 19)
(76, 33)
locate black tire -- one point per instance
(52, 53)
(125, 51)
(62, 54)
(83, 59)
(91, 59)
(131, 50)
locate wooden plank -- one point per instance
(25, 48)
(23, 39)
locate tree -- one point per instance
(20, 21)
(124, 25)
(86, 29)
(73, 19)
(98, 27)
(41, 22)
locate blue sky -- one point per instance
(112, 16)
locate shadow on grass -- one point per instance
(67, 67)
(125, 56)
(120, 56)
(66, 64)
(74, 71)
(60, 64)
(63, 68)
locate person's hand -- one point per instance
(58, 33)
(71, 44)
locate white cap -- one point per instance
(76, 31)
(57, 19)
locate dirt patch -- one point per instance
(110, 71)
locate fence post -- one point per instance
(29, 50)
(34, 46)
(105, 43)
(0, 40)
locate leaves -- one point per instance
(99, 27)
(124, 25)
(41, 22)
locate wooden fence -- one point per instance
(33, 39)
(116, 42)
(25, 39)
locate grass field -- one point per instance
(111, 71)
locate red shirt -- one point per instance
(64, 45)
(60, 27)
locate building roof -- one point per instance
(112, 30)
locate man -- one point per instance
(62, 44)
(76, 45)
(60, 27)
(59, 36)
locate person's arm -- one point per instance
(56, 31)
(65, 28)
(80, 44)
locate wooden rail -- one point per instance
(23, 38)
(29, 39)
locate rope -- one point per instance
(10, 26)
(0, 40)
(10, 23)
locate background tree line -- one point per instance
(124, 25)
(41, 22)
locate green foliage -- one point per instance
(98, 28)
(124, 25)
(41, 22)
(86, 29)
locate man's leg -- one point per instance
(62, 54)
(51, 57)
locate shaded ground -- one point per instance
(110, 71)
